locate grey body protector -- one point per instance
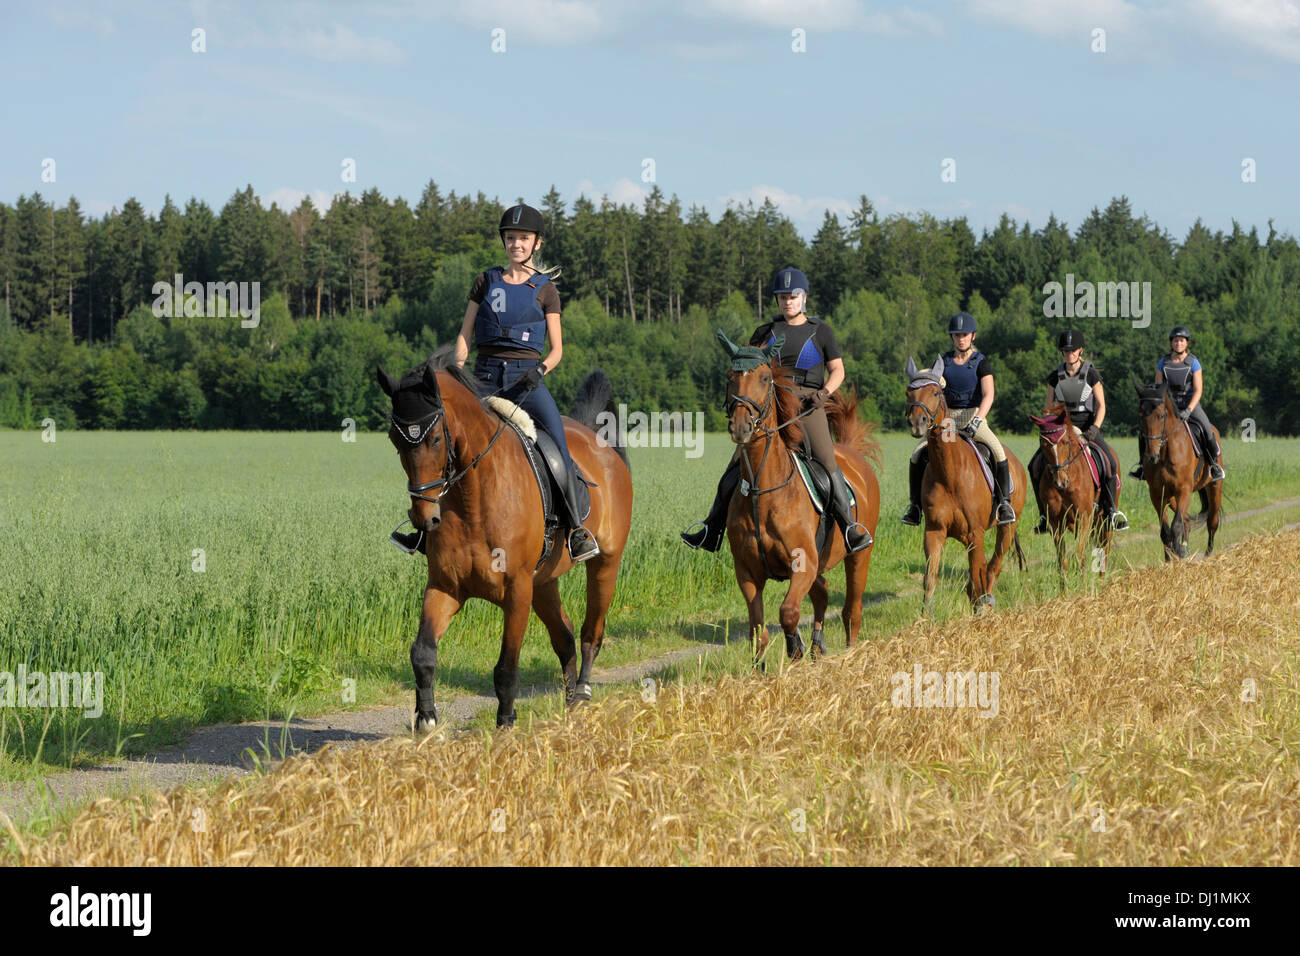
(1179, 377)
(1077, 394)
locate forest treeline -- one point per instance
(377, 280)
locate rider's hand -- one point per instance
(973, 426)
(1184, 413)
(533, 377)
(1092, 433)
(815, 399)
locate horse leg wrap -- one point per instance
(424, 700)
(819, 639)
(794, 646)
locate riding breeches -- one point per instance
(960, 418)
(501, 376)
(818, 433)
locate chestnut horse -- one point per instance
(1066, 490)
(474, 494)
(772, 524)
(1173, 470)
(955, 497)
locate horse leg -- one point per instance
(752, 592)
(546, 602)
(855, 583)
(1213, 501)
(820, 594)
(602, 573)
(1178, 529)
(435, 617)
(980, 590)
(505, 676)
(1062, 561)
(800, 584)
(934, 541)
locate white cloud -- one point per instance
(806, 212)
(1269, 25)
(1060, 17)
(622, 191)
(288, 198)
(546, 21)
(821, 15)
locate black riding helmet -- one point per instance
(1069, 340)
(1180, 331)
(521, 217)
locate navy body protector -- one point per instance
(809, 368)
(508, 315)
(962, 382)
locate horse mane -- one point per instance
(787, 404)
(443, 359)
(848, 429)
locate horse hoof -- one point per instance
(581, 694)
(819, 642)
(424, 725)
(794, 646)
(505, 721)
(985, 601)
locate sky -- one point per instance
(973, 108)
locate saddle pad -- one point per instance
(805, 472)
(988, 472)
(549, 520)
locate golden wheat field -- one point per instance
(1155, 723)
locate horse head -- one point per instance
(1155, 407)
(1057, 441)
(759, 389)
(418, 429)
(925, 402)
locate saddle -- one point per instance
(548, 469)
(817, 481)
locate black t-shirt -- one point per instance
(1092, 378)
(807, 348)
(1083, 419)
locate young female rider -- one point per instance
(1182, 370)
(969, 394)
(512, 312)
(1077, 383)
(812, 355)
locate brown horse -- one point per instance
(1066, 490)
(956, 499)
(772, 524)
(1173, 470)
(474, 494)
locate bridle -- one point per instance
(930, 416)
(414, 433)
(1164, 430)
(1054, 466)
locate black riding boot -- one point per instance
(1110, 502)
(1002, 478)
(1035, 469)
(709, 536)
(856, 535)
(582, 543)
(1142, 454)
(915, 472)
(410, 543)
(1210, 449)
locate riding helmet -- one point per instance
(962, 323)
(790, 280)
(1069, 340)
(523, 218)
(1180, 330)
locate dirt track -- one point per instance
(222, 751)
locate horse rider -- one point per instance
(1182, 370)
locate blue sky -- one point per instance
(712, 91)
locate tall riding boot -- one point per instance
(709, 535)
(856, 535)
(410, 543)
(582, 543)
(915, 473)
(1002, 478)
(1110, 501)
(1142, 454)
(1037, 460)
(1211, 451)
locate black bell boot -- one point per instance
(709, 536)
(915, 472)
(1002, 478)
(856, 535)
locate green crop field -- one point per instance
(300, 598)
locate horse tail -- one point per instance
(1020, 552)
(848, 429)
(596, 395)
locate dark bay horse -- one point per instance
(955, 497)
(1066, 490)
(1173, 470)
(772, 524)
(474, 494)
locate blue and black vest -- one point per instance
(809, 366)
(962, 382)
(509, 315)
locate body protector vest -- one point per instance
(1179, 377)
(962, 381)
(809, 364)
(1077, 394)
(509, 314)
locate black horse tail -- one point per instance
(1020, 553)
(596, 396)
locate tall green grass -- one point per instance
(301, 593)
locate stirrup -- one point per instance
(1118, 521)
(1009, 510)
(912, 515)
(866, 542)
(587, 553)
(1041, 527)
(1136, 472)
(408, 543)
(1216, 467)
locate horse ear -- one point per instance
(937, 369)
(774, 349)
(1037, 421)
(911, 371)
(1137, 386)
(386, 381)
(431, 380)
(728, 346)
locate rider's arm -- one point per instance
(986, 396)
(1196, 390)
(1100, 393)
(836, 377)
(556, 351)
(466, 331)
